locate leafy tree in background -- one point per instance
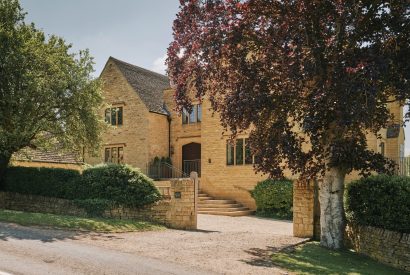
(47, 95)
(310, 79)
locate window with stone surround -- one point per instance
(195, 116)
(114, 155)
(238, 152)
(114, 116)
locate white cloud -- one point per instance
(159, 64)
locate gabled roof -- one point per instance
(148, 84)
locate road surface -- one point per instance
(222, 245)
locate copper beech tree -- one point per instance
(310, 79)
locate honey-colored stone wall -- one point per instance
(306, 211)
(389, 247)
(39, 204)
(176, 210)
(158, 136)
(219, 179)
(181, 134)
(134, 134)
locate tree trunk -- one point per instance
(332, 216)
(4, 162)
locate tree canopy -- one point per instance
(311, 79)
(47, 93)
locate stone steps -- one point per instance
(213, 201)
(211, 206)
(227, 213)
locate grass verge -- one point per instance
(311, 258)
(76, 223)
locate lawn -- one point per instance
(310, 258)
(76, 223)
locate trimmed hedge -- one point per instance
(380, 201)
(48, 182)
(121, 184)
(274, 198)
(95, 190)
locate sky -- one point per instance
(135, 31)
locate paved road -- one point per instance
(222, 245)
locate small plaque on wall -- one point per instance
(177, 195)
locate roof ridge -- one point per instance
(138, 67)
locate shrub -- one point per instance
(120, 184)
(50, 182)
(380, 201)
(274, 197)
(97, 187)
(94, 207)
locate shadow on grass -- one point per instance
(14, 231)
(12, 225)
(310, 258)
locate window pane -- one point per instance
(114, 155)
(239, 151)
(119, 115)
(229, 153)
(113, 116)
(184, 116)
(107, 157)
(120, 155)
(199, 116)
(108, 115)
(192, 115)
(248, 155)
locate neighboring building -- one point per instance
(46, 158)
(140, 107)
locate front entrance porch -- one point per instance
(191, 158)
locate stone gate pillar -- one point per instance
(305, 209)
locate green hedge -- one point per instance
(49, 182)
(96, 189)
(274, 198)
(121, 184)
(380, 201)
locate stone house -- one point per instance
(140, 108)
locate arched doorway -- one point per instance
(191, 158)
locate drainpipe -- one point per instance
(169, 136)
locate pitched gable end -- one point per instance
(147, 84)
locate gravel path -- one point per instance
(222, 245)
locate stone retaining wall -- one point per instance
(177, 209)
(39, 204)
(389, 247)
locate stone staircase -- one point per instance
(211, 206)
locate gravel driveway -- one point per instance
(221, 245)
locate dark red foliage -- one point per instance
(322, 68)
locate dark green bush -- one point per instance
(380, 201)
(49, 182)
(120, 184)
(94, 207)
(274, 198)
